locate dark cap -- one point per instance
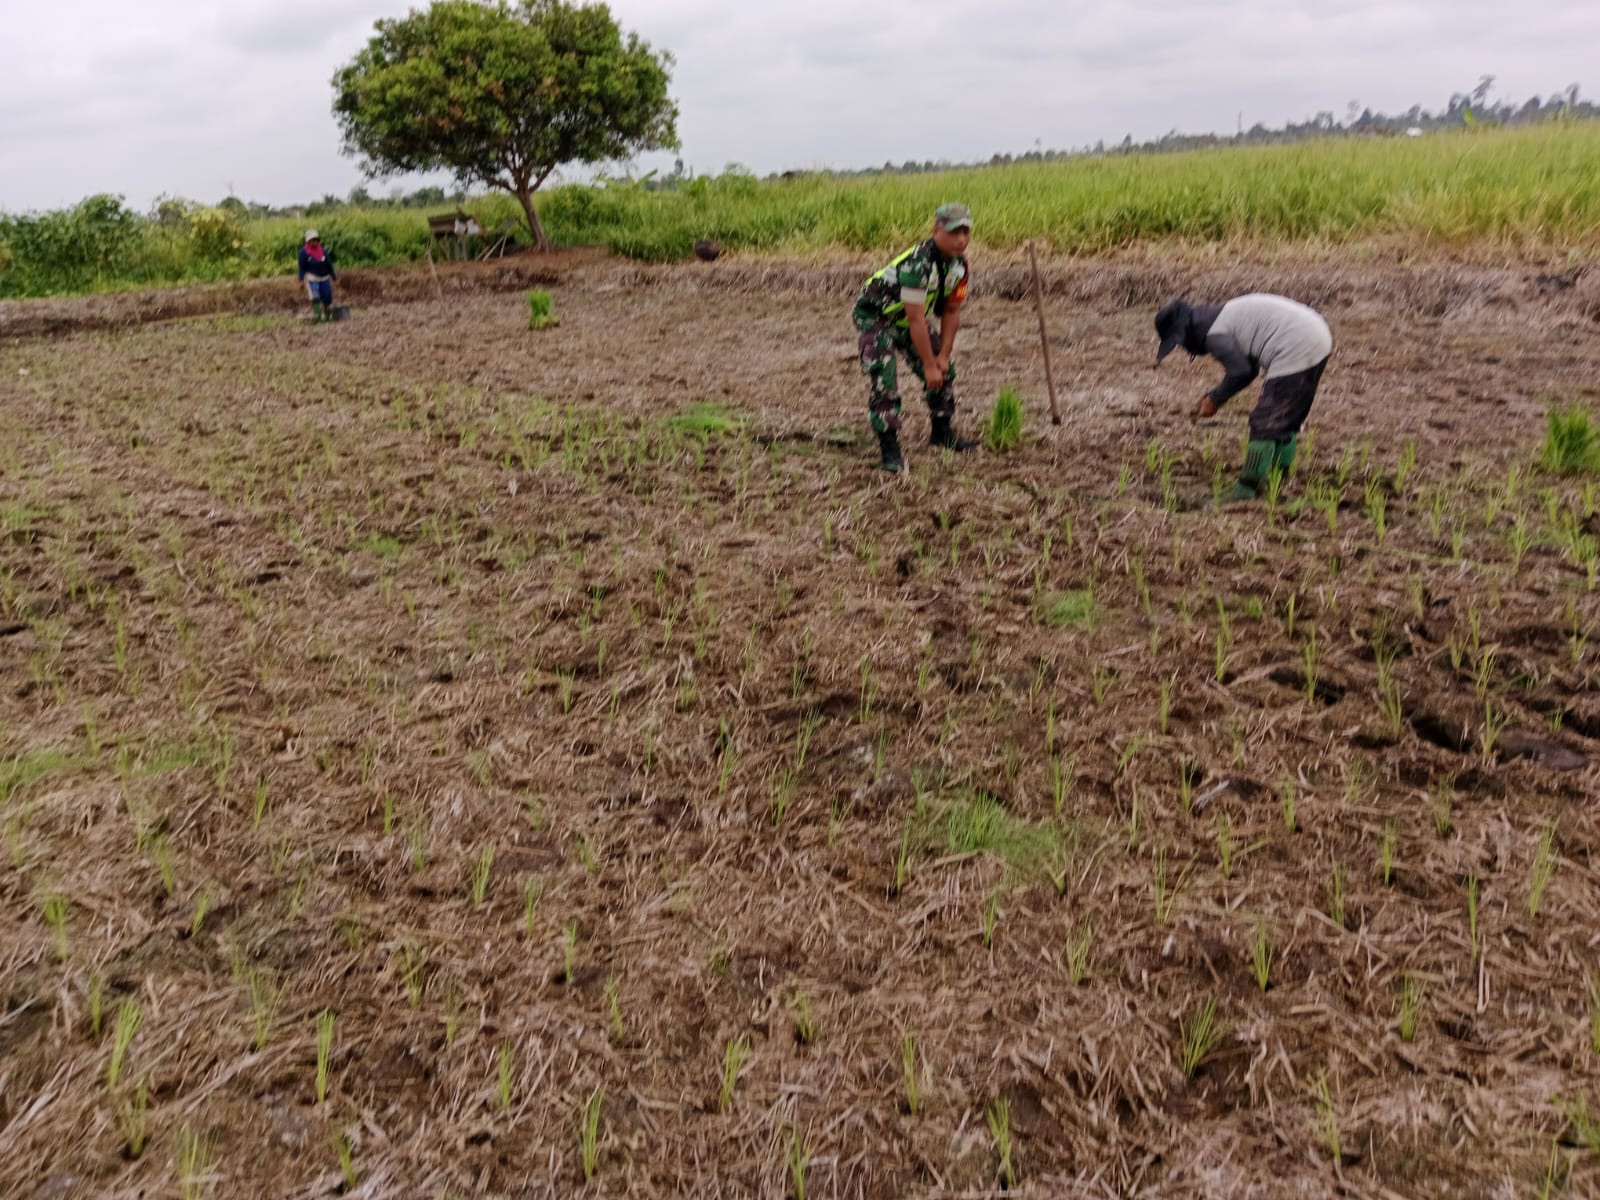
(1172, 322)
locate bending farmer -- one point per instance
(891, 316)
(316, 272)
(1249, 336)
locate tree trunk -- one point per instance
(540, 241)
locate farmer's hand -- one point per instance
(1205, 408)
(933, 375)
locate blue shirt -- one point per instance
(316, 270)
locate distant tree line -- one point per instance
(1474, 108)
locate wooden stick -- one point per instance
(1044, 338)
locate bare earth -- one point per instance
(834, 834)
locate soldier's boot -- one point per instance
(889, 444)
(1259, 457)
(942, 434)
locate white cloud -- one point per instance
(192, 97)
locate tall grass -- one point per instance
(1518, 189)
(1528, 186)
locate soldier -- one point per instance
(891, 316)
(1249, 336)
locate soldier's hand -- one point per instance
(933, 375)
(1205, 408)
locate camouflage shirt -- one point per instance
(919, 276)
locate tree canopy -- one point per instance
(502, 94)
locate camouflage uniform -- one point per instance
(880, 316)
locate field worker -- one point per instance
(891, 315)
(316, 272)
(1253, 335)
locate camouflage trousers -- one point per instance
(880, 340)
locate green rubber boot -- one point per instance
(316, 312)
(1259, 457)
(1284, 459)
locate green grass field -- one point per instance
(1519, 193)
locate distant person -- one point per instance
(316, 272)
(1255, 335)
(892, 317)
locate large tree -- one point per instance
(502, 94)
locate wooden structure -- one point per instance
(463, 238)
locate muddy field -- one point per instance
(441, 759)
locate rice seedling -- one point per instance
(503, 1075)
(1594, 1014)
(1443, 820)
(1103, 678)
(734, 1056)
(1495, 719)
(1199, 1034)
(1411, 993)
(1327, 1117)
(614, 1009)
(589, 1134)
(902, 862)
(417, 835)
(1336, 895)
(265, 995)
(1571, 442)
(97, 993)
(1187, 773)
(129, 1017)
(1544, 867)
(325, 1022)
(1286, 806)
(1405, 465)
(540, 312)
(799, 1159)
(1074, 609)
(1262, 953)
(1062, 773)
(991, 919)
(133, 1119)
(480, 874)
(1386, 851)
(1168, 891)
(1376, 509)
(909, 1073)
(1227, 846)
(344, 1149)
(532, 892)
(196, 1154)
(1583, 1129)
(805, 1023)
(1004, 430)
(55, 908)
(1472, 916)
(1080, 942)
(569, 952)
(998, 1115)
(1308, 656)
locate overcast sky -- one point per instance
(203, 98)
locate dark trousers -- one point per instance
(1284, 405)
